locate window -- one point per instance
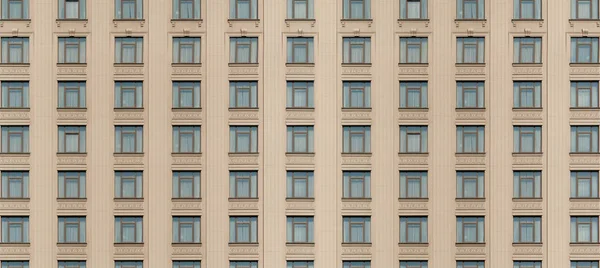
(71, 184)
(357, 229)
(300, 230)
(243, 230)
(71, 230)
(413, 264)
(357, 184)
(15, 9)
(527, 50)
(357, 264)
(357, 9)
(300, 184)
(15, 50)
(413, 50)
(243, 139)
(186, 139)
(243, 94)
(584, 229)
(413, 139)
(357, 50)
(527, 184)
(243, 49)
(470, 184)
(71, 139)
(15, 264)
(527, 139)
(584, 94)
(186, 9)
(243, 264)
(15, 229)
(128, 184)
(71, 49)
(15, 94)
(128, 139)
(357, 94)
(15, 139)
(129, 50)
(243, 184)
(300, 264)
(413, 95)
(470, 95)
(186, 230)
(413, 230)
(584, 49)
(186, 184)
(300, 9)
(413, 9)
(357, 139)
(470, 9)
(300, 94)
(413, 184)
(584, 9)
(129, 9)
(470, 50)
(527, 264)
(470, 230)
(584, 139)
(129, 264)
(300, 50)
(584, 184)
(243, 9)
(300, 139)
(71, 9)
(527, 94)
(71, 264)
(15, 184)
(186, 94)
(186, 50)
(470, 139)
(584, 264)
(527, 229)
(71, 95)
(527, 9)
(128, 230)
(470, 264)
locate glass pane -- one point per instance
(128, 142)
(72, 9)
(470, 143)
(71, 188)
(470, 54)
(356, 188)
(128, 188)
(186, 98)
(186, 188)
(413, 9)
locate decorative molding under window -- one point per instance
(356, 159)
(18, 206)
(470, 204)
(15, 70)
(250, 160)
(129, 249)
(187, 250)
(185, 204)
(14, 160)
(356, 250)
(421, 250)
(470, 249)
(187, 159)
(469, 69)
(71, 70)
(308, 205)
(300, 250)
(15, 114)
(585, 205)
(530, 250)
(527, 70)
(72, 115)
(356, 70)
(358, 206)
(246, 206)
(528, 160)
(582, 251)
(244, 114)
(182, 70)
(243, 70)
(299, 70)
(128, 160)
(413, 204)
(71, 249)
(127, 206)
(296, 160)
(585, 160)
(584, 70)
(129, 70)
(245, 250)
(529, 205)
(471, 160)
(71, 205)
(409, 114)
(75, 160)
(412, 70)
(17, 250)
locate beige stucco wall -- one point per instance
(328, 163)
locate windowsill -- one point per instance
(583, 20)
(584, 199)
(515, 20)
(128, 154)
(359, 154)
(71, 109)
(517, 109)
(196, 20)
(7, 109)
(306, 109)
(74, 20)
(415, 20)
(356, 244)
(186, 64)
(298, 199)
(242, 109)
(14, 199)
(422, 200)
(584, 244)
(16, 244)
(128, 109)
(300, 64)
(411, 154)
(527, 244)
(128, 199)
(71, 244)
(299, 20)
(191, 199)
(242, 154)
(238, 64)
(242, 20)
(414, 244)
(521, 199)
(576, 154)
(470, 109)
(71, 199)
(470, 244)
(71, 154)
(237, 199)
(128, 64)
(516, 64)
(16, 154)
(27, 20)
(469, 154)
(185, 154)
(117, 20)
(199, 109)
(186, 244)
(474, 20)
(482, 199)
(584, 64)
(524, 154)
(365, 20)
(413, 64)
(130, 244)
(356, 109)
(470, 64)
(404, 109)
(347, 64)
(591, 109)
(300, 244)
(72, 64)
(10, 64)
(349, 199)
(243, 244)
(306, 154)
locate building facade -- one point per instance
(299, 133)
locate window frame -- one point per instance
(196, 133)
(22, 177)
(362, 177)
(521, 132)
(299, 42)
(580, 220)
(238, 176)
(473, 221)
(130, 130)
(191, 221)
(240, 221)
(305, 222)
(592, 87)
(591, 176)
(580, 131)
(78, 224)
(21, 222)
(292, 86)
(306, 177)
(520, 176)
(519, 87)
(238, 132)
(196, 4)
(357, 221)
(519, 10)
(422, 225)
(130, 221)
(24, 12)
(527, 221)
(469, 41)
(69, 176)
(20, 43)
(477, 129)
(186, 175)
(421, 176)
